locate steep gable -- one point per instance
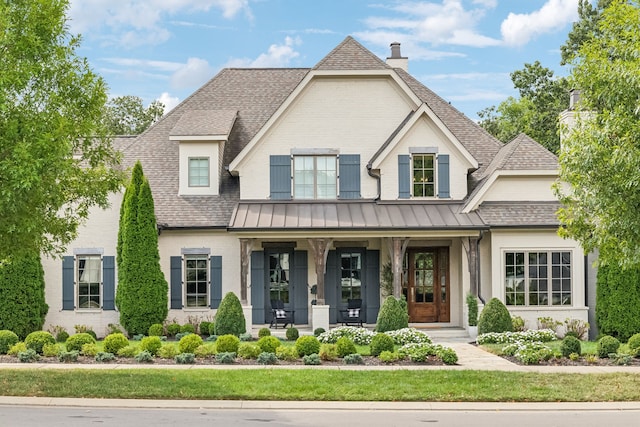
(351, 55)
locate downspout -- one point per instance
(377, 177)
(478, 266)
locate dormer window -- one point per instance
(423, 175)
(199, 172)
(315, 177)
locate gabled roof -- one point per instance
(204, 123)
(520, 214)
(351, 55)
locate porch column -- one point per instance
(397, 248)
(246, 246)
(320, 249)
(472, 256)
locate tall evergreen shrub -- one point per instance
(618, 301)
(495, 318)
(392, 316)
(229, 317)
(142, 292)
(22, 302)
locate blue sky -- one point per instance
(464, 50)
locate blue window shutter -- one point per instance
(300, 287)
(176, 282)
(443, 176)
(404, 176)
(108, 282)
(372, 290)
(68, 294)
(215, 276)
(349, 176)
(258, 290)
(280, 177)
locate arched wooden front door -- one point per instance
(426, 284)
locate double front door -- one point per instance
(426, 284)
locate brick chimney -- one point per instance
(396, 60)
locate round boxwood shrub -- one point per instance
(264, 332)
(381, 342)
(204, 327)
(36, 340)
(248, 350)
(292, 334)
(607, 345)
(569, 345)
(173, 329)
(228, 343)
(114, 342)
(318, 331)
(269, 344)
(494, 318)
(62, 336)
(634, 343)
(306, 345)
(151, 344)
(392, 316)
(189, 343)
(187, 328)
(345, 347)
(76, 341)
(229, 317)
(7, 340)
(156, 330)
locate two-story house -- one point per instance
(301, 184)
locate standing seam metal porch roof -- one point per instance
(360, 215)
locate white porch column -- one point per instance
(320, 317)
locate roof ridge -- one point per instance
(338, 50)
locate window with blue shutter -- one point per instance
(280, 177)
(68, 290)
(176, 282)
(443, 176)
(349, 171)
(215, 276)
(404, 176)
(108, 282)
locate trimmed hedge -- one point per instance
(230, 318)
(392, 316)
(618, 301)
(494, 318)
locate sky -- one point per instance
(464, 50)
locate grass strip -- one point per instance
(322, 385)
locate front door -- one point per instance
(426, 284)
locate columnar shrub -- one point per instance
(151, 344)
(189, 343)
(269, 344)
(7, 340)
(227, 343)
(607, 345)
(76, 341)
(569, 345)
(472, 306)
(618, 301)
(494, 318)
(345, 346)
(229, 317)
(114, 342)
(36, 340)
(22, 302)
(393, 315)
(307, 344)
(381, 342)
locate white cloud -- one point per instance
(145, 63)
(192, 74)
(169, 101)
(278, 55)
(519, 29)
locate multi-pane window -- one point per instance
(538, 278)
(89, 269)
(423, 170)
(198, 172)
(351, 273)
(279, 276)
(196, 278)
(315, 177)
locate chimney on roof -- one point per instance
(396, 60)
(574, 99)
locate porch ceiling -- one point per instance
(362, 215)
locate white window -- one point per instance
(423, 175)
(535, 278)
(198, 172)
(89, 280)
(197, 280)
(315, 177)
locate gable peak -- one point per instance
(351, 55)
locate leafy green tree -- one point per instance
(600, 158)
(55, 159)
(22, 303)
(126, 115)
(584, 28)
(142, 292)
(618, 301)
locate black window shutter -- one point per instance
(176, 282)
(68, 294)
(215, 277)
(108, 282)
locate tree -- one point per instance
(584, 28)
(600, 158)
(55, 160)
(142, 293)
(618, 301)
(22, 302)
(126, 115)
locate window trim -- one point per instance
(190, 184)
(315, 184)
(189, 255)
(77, 276)
(434, 183)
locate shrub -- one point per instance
(205, 350)
(268, 344)
(607, 345)
(51, 350)
(519, 325)
(28, 356)
(189, 343)
(7, 340)
(181, 335)
(494, 318)
(188, 328)
(532, 353)
(577, 328)
(618, 300)
(76, 341)
(407, 336)
(93, 334)
(264, 332)
(381, 342)
(168, 351)
(144, 357)
(103, 357)
(345, 346)
(68, 356)
(17, 348)
(574, 357)
(248, 350)
(36, 340)
(549, 323)
(212, 329)
(417, 352)
(173, 329)
(318, 331)
(353, 359)
(634, 343)
(156, 330)
(570, 345)
(472, 306)
(204, 327)
(393, 315)
(151, 344)
(185, 358)
(114, 342)
(286, 353)
(245, 337)
(540, 335)
(62, 336)
(311, 359)
(292, 334)
(448, 355)
(227, 344)
(359, 336)
(90, 349)
(267, 358)
(230, 318)
(306, 345)
(227, 358)
(328, 352)
(388, 356)
(137, 337)
(128, 351)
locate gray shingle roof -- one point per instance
(351, 55)
(520, 214)
(205, 122)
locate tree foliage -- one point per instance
(142, 292)
(55, 160)
(600, 158)
(618, 301)
(584, 28)
(22, 303)
(126, 115)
